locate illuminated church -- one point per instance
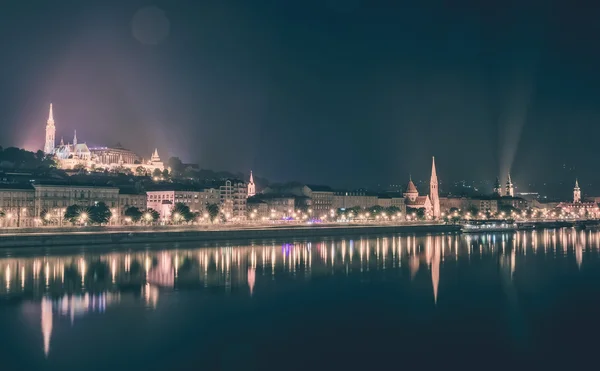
(430, 203)
(578, 206)
(75, 154)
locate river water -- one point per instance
(470, 301)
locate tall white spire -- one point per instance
(576, 193)
(75, 138)
(251, 186)
(434, 195)
(50, 116)
(510, 189)
(50, 133)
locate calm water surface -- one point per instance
(478, 301)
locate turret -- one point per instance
(576, 193)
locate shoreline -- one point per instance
(141, 235)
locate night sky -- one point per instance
(347, 93)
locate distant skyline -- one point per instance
(346, 93)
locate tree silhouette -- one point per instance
(134, 213)
(181, 212)
(99, 213)
(151, 215)
(157, 173)
(213, 211)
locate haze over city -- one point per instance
(345, 93)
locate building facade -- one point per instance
(321, 198)
(17, 204)
(233, 195)
(197, 200)
(347, 200)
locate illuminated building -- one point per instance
(75, 155)
(577, 206)
(196, 199)
(233, 195)
(347, 200)
(17, 203)
(414, 201)
(251, 186)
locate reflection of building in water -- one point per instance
(71, 306)
(247, 267)
(163, 274)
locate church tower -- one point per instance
(576, 193)
(497, 188)
(510, 189)
(50, 133)
(251, 186)
(434, 195)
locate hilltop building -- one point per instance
(76, 154)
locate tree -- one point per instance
(46, 217)
(151, 216)
(392, 210)
(176, 166)
(140, 171)
(165, 173)
(157, 173)
(134, 213)
(374, 210)
(74, 213)
(213, 211)
(421, 213)
(181, 212)
(473, 210)
(99, 213)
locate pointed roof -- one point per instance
(155, 154)
(433, 172)
(576, 183)
(251, 177)
(62, 142)
(50, 116)
(75, 137)
(410, 188)
(509, 181)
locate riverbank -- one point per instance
(105, 236)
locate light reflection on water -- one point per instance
(75, 285)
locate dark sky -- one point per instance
(348, 93)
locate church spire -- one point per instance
(62, 142)
(576, 192)
(50, 116)
(50, 133)
(434, 195)
(251, 186)
(510, 189)
(75, 138)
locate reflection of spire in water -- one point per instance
(150, 294)
(251, 279)
(414, 266)
(46, 323)
(512, 262)
(435, 268)
(578, 254)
